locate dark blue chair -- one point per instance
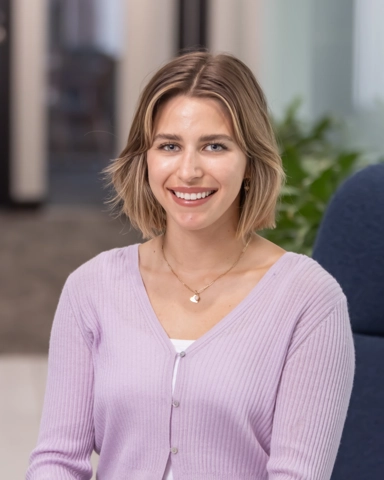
(350, 246)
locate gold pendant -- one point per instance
(195, 298)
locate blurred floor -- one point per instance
(37, 252)
(22, 385)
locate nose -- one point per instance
(189, 167)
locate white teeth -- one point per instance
(193, 196)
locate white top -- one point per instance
(180, 345)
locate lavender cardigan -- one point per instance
(262, 395)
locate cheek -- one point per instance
(156, 171)
(159, 171)
(231, 174)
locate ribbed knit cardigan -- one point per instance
(262, 395)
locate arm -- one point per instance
(312, 401)
(66, 436)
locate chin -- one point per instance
(188, 222)
(193, 224)
(191, 227)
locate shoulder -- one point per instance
(312, 295)
(310, 284)
(102, 268)
(87, 287)
(316, 299)
(300, 278)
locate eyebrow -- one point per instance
(204, 138)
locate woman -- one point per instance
(207, 352)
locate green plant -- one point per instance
(315, 166)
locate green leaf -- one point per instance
(311, 212)
(315, 166)
(324, 186)
(292, 165)
(346, 161)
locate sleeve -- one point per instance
(313, 400)
(66, 436)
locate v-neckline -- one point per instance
(143, 297)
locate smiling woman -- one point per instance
(196, 166)
(221, 83)
(207, 352)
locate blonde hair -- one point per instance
(228, 80)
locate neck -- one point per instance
(201, 251)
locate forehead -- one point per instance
(186, 112)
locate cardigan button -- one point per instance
(175, 403)
(174, 450)
(182, 354)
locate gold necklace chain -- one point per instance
(196, 297)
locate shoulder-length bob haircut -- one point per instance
(229, 81)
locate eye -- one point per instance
(169, 147)
(216, 147)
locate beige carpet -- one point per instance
(37, 252)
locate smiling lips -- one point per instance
(191, 196)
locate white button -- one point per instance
(182, 354)
(175, 403)
(174, 450)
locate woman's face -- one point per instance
(195, 167)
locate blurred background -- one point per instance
(70, 75)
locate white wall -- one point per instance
(149, 39)
(109, 26)
(28, 106)
(286, 59)
(273, 37)
(330, 53)
(369, 53)
(365, 126)
(234, 26)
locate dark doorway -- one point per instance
(81, 127)
(193, 24)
